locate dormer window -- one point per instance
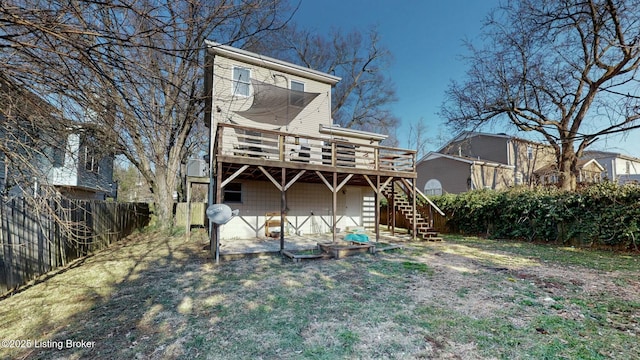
(241, 81)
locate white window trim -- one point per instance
(304, 86)
(234, 88)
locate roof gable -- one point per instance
(471, 161)
(599, 154)
(269, 62)
(465, 135)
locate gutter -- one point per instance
(268, 62)
(359, 134)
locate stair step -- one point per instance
(425, 228)
(403, 204)
(429, 234)
(434, 239)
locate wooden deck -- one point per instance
(284, 158)
(240, 146)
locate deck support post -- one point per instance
(378, 192)
(334, 205)
(391, 211)
(218, 198)
(283, 206)
(415, 211)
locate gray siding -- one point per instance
(453, 175)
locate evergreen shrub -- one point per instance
(600, 215)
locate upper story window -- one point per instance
(529, 152)
(297, 99)
(297, 85)
(241, 81)
(90, 161)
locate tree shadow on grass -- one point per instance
(130, 300)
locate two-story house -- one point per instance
(279, 159)
(618, 167)
(36, 153)
(79, 167)
(475, 160)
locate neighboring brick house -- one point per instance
(474, 160)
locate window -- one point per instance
(529, 152)
(241, 81)
(89, 160)
(297, 99)
(233, 193)
(433, 187)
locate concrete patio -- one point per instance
(231, 249)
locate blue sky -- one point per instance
(426, 40)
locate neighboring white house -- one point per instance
(73, 167)
(78, 170)
(68, 157)
(618, 167)
(277, 151)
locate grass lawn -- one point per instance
(158, 297)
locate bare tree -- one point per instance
(418, 139)
(134, 67)
(362, 98)
(563, 68)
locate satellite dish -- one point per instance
(220, 214)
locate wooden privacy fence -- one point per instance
(198, 214)
(35, 241)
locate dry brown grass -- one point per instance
(158, 297)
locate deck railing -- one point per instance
(241, 141)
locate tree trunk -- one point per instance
(163, 197)
(567, 167)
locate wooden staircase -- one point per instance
(402, 204)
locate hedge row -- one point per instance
(602, 215)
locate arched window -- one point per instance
(433, 187)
